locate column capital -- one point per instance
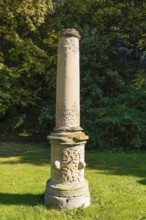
(69, 32)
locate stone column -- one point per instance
(67, 188)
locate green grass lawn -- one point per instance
(117, 183)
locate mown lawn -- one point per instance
(117, 182)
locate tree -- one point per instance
(26, 61)
(112, 47)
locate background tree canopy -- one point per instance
(113, 68)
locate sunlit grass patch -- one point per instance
(117, 183)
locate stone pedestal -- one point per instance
(67, 188)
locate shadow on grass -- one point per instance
(119, 163)
(21, 199)
(142, 181)
(33, 153)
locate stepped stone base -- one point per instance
(67, 196)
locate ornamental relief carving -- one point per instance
(69, 116)
(69, 45)
(70, 165)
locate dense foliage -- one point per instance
(26, 63)
(113, 65)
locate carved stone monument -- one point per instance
(67, 188)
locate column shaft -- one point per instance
(68, 87)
